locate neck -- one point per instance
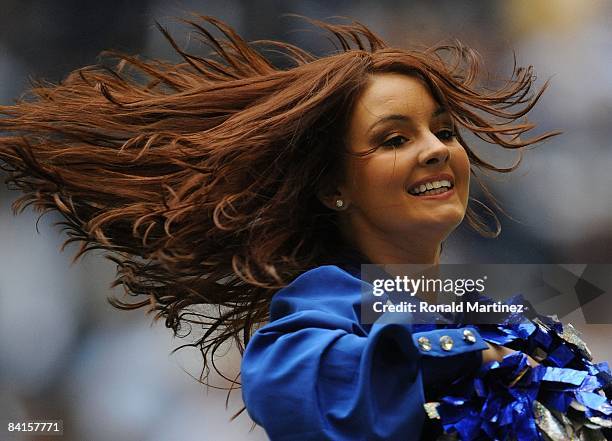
(383, 248)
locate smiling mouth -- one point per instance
(431, 188)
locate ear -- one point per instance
(333, 198)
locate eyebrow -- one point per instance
(404, 118)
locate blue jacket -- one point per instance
(316, 373)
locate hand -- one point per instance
(497, 353)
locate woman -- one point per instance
(232, 192)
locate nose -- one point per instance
(434, 152)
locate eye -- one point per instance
(395, 141)
(446, 134)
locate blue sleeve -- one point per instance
(466, 354)
(312, 373)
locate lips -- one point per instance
(432, 184)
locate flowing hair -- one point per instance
(200, 178)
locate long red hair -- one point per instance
(200, 178)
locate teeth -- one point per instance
(434, 187)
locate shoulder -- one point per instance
(319, 280)
(327, 288)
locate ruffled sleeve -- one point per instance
(315, 373)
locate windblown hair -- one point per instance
(200, 179)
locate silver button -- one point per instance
(446, 343)
(469, 336)
(424, 343)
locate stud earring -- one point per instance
(339, 203)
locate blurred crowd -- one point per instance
(65, 353)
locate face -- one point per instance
(417, 150)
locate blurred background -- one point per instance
(65, 353)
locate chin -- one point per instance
(443, 225)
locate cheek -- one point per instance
(379, 176)
(367, 183)
(461, 168)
